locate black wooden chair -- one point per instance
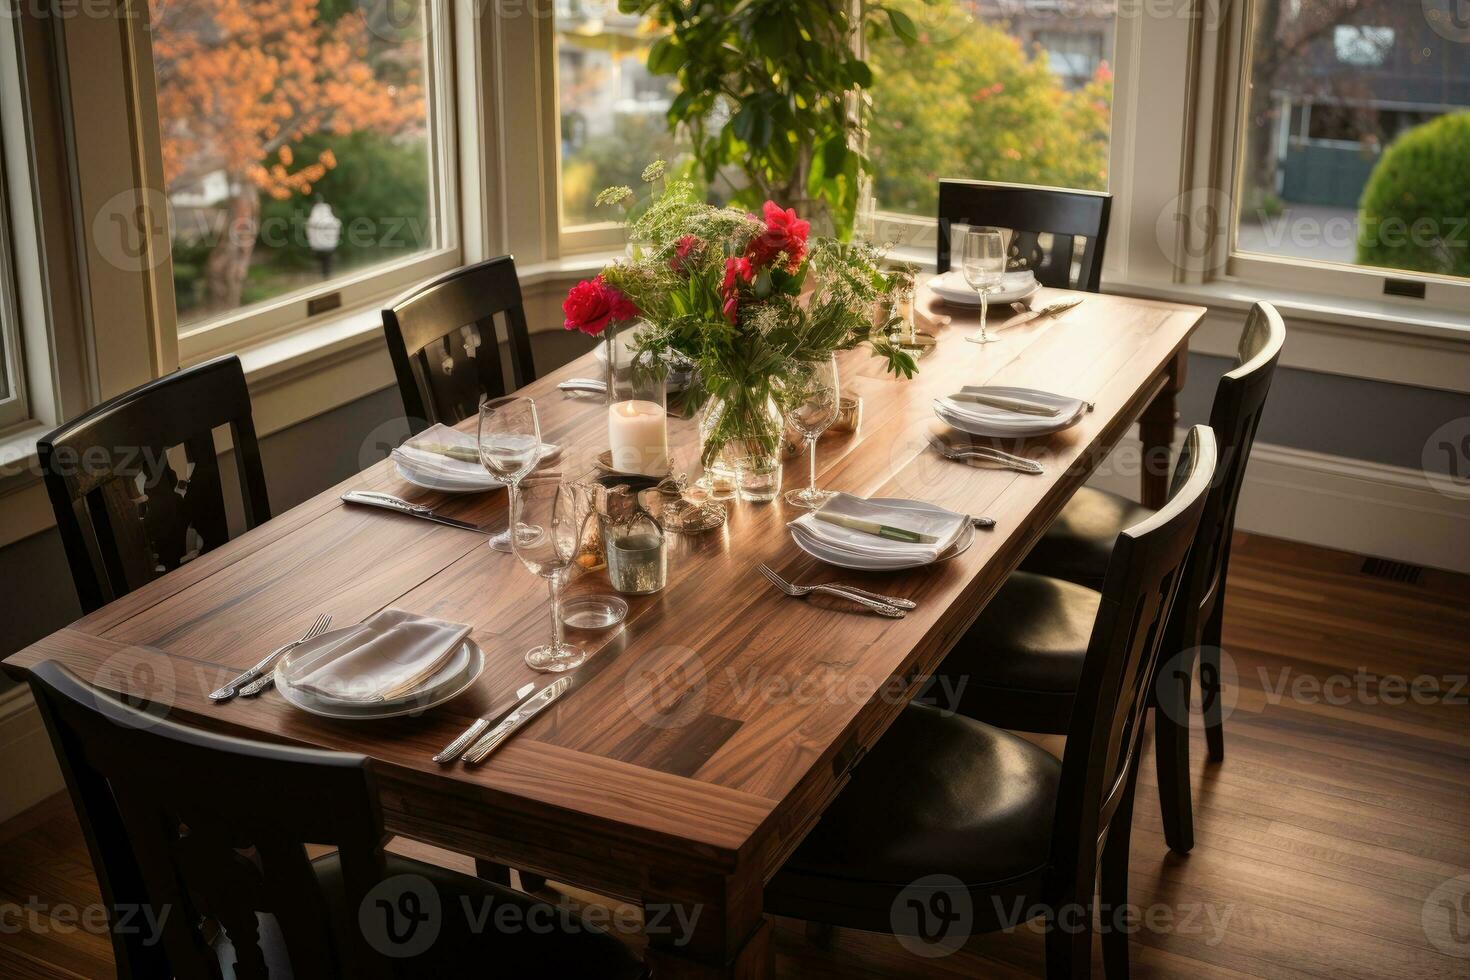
(1031, 212)
(203, 838)
(124, 514)
(443, 341)
(945, 805)
(1023, 657)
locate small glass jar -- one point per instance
(637, 555)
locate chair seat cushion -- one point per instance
(1079, 543)
(487, 929)
(1032, 636)
(940, 794)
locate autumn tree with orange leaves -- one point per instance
(242, 82)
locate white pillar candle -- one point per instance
(638, 434)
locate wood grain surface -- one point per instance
(702, 739)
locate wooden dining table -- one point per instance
(704, 738)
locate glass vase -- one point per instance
(741, 446)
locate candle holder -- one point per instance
(637, 412)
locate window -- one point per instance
(1027, 97)
(13, 407)
(303, 150)
(1357, 124)
(611, 107)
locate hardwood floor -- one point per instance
(1341, 806)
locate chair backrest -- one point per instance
(1030, 212)
(1234, 418)
(444, 345)
(124, 514)
(1106, 729)
(186, 827)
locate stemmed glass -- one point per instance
(510, 447)
(813, 407)
(984, 264)
(543, 514)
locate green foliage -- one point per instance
(379, 188)
(970, 102)
(612, 159)
(746, 352)
(772, 87)
(1414, 210)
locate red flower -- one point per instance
(686, 251)
(785, 234)
(736, 271)
(591, 304)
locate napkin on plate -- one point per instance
(387, 657)
(444, 468)
(943, 525)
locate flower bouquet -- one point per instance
(750, 300)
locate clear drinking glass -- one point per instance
(543, 514)
(510, 448)
(984, 265)
(812, 409)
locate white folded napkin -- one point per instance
(988, 414)
(387, 657)
(945, 526)
(437, 465)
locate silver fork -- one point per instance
(251, 677)
(881, 608)
(1010, 461)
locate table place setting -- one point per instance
(881, 534)
(445, 459)
(1008, 413)
(395, 663)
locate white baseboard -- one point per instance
(28, 771)
(1336, 502)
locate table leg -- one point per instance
(710, 930)
(1156, 431)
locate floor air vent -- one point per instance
(1394, 571)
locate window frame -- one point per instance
(14, 406)
(360, 289)
(1241, 268)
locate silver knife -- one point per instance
(373, 498)
(528, 709)
(451, 751)
(583, 384)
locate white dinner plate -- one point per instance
(987, 420)
(952, 288)
(832, 554)
(453, 679)
(445, 484)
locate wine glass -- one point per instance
(510, 447)
(984, 264)
(813, 407)
(543, 514)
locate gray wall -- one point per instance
(1327, 413)
(1366, 420)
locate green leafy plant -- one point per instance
(775, 90)
(751, 301)
(1414, 209)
